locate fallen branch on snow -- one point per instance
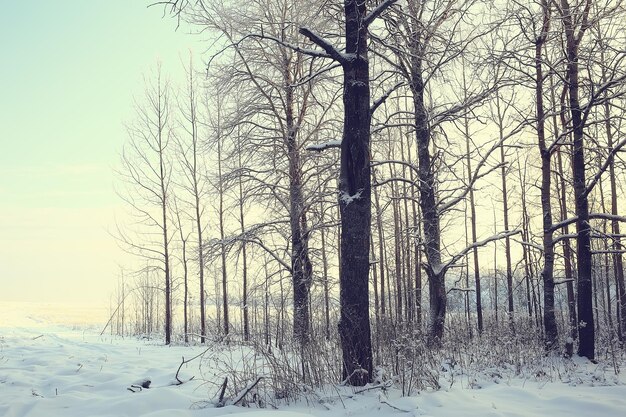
(221, 401)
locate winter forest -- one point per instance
(353, 175)
(380, 197)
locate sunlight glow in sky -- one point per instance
(69, 72)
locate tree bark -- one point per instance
(547, 274)
(428, 206)
(586, 328)
(300, 262)
(355, 201)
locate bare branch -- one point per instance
(479, 244)
(603, 168)
(377, 11)
(331, 51)
(384, 98)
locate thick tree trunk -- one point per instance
(355, 201)
(301, 269)
(586, 328)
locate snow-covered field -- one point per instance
(52, 368)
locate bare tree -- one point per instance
(576, 19)
(354, 188)
(424, 39)
(549, 319)
(192, 163)
(147, 169)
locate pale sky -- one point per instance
(69, 70)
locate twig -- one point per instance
(384, 386)
(222, 391)
(356, 371)
(394, 407)
(184, 362)
(246, 390)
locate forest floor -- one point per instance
(50, 369)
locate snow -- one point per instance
(347, 198)
(318, 147)
(52, 368)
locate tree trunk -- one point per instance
(183, 240)
(618, 264)
(586, 328)
(428, 206)
(567, 251)
(300, 262)
(547, 274)
(244, 254)
(468, 161)
(164, 198)
(505, 213)
(222, 232)
(354, 202)
(381, 247)
(397, 226)
(325, 276)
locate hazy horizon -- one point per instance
(72, 70)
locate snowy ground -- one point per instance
(51, 369)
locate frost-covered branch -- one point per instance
(319, 147)
(477, 174)
(481, 243)
(377, 11)
(603, 168)
(384, 97)
(331, 51)
(394, 179)
(600, 216)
